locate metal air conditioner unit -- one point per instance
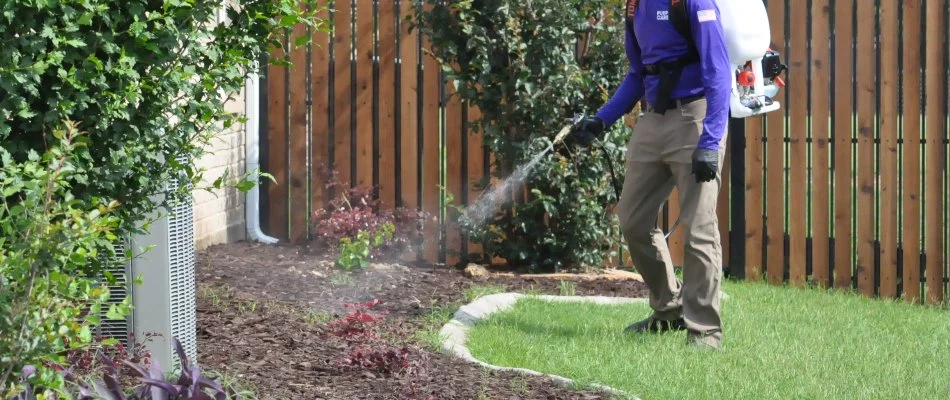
(164, 303)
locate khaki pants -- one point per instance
(659, 158)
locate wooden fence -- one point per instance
(844, 187)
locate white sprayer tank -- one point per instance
(746, 26)
(748, 35)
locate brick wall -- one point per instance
(219, 214)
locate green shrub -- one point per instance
(529, 67)
(149, 80)
(357, 252)
(356, 229)
(48, 239)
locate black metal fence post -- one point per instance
(736, 267)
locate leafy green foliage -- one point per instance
(356, 253)
(89, 361)
(529, 67)
(49, 300)
(358, 229)
(149, 81)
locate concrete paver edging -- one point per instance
(455, 332)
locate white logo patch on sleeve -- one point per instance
(706, 15)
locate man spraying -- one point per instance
(680, 68)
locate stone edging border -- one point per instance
(455, 332)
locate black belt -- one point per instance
(674, 103)
(678, 64)
(669, 75)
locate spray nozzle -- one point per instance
(578, 118)
(567, 129)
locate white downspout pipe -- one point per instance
(252, 160)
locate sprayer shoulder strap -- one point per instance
(679, 17)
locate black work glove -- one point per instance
(585, 131)
(705, 164)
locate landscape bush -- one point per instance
(50, 302)
(356, 229)
(49, 299)
(529, 67)
(148, 80)
(88, 361)
(151, 381)
(104, 107)
(368, 351)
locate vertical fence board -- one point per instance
(889, 147)
(842, 141)
(945, 88)
(754, 195)
(476, 167)
(866, 92)
(386, 169)
(407, 145)
(910, 189)
(277, 147)
(342, 91)
(453, 171)
(430, 157)
(495, 168)
(297, 153)
(797, 156)
(722, 206)
(320, 126)
(935, 77)
(820, 85)
(774, 180)
(364, 98)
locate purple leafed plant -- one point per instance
(190, 385)
(84, 360)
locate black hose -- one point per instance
(610, 165)
(617, 190)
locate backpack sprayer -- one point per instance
(756, 67)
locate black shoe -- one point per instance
(654, 325)
(703, 342)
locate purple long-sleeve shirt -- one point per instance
(660, 42)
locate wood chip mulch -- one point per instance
(263, 311)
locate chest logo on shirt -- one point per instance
(662, 15)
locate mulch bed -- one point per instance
(262, 316)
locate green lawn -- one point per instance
(780, 343)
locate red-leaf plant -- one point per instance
(356, 209)
(366, 350)
(357, 326)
